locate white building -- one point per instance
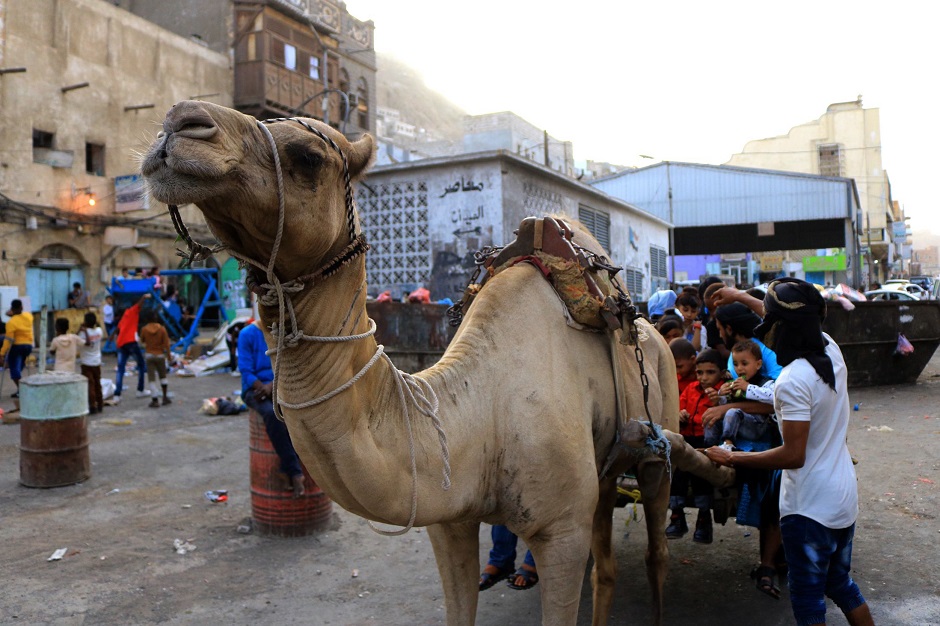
(425, 219)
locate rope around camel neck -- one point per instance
(418, 391)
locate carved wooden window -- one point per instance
(314, 69)
(362, 91)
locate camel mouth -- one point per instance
(181, 166)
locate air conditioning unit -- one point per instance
(353, 100)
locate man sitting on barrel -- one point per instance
(257, 376)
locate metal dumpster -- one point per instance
(868, 337)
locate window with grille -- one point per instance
(830, 159)
(633, 281)
(394, 218)
(658, 262)
(597, 223)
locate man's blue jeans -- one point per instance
(820, 561)
(277, 433)
(503, 554)
(131, 349)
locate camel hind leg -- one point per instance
(654, 485)
(604, 573)
(457, 552)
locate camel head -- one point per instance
(222, 161)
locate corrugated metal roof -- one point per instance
(713, 195)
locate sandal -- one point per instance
(528, 578)
(764, 577)
(492, 575)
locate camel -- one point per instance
(511, 426)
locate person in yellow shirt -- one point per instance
(18, 344)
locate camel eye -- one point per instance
(302, 156)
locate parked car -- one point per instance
(927, 282)
(909, 287)
(890, 294)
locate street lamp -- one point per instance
(326, 106)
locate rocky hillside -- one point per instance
(402, 87)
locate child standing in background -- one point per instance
(157, 351)
(90, 334)
(684, 355)
(64, 347)
(689, 306)
(107, 312)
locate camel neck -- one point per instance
(312, 358)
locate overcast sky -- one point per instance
(683, 80)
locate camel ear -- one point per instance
(361, 154)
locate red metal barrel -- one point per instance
(274, 509)
(54, 430)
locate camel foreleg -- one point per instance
(604, 573)
(457, 552)
(654, 484)
(688, 459)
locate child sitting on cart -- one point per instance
(746, 431)
(694, 400)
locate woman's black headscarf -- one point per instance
(740, 319)
(792, 326)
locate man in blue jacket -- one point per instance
(257, 376)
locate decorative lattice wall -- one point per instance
(394, 219)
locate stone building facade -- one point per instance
(95, 86)
(290, 57)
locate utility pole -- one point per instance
(672, 227)
(547, 164)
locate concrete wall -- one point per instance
(127, 62)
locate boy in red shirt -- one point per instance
(128, 348)
(684, 355)
(693, 401)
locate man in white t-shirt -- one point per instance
(90, 350)
(819, 494)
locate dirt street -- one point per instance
(147, 489)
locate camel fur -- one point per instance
(527, 404)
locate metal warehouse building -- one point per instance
(718, 209)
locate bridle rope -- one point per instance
(411, 390)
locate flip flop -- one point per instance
(488, 579)
(764, 577)
(529, 577)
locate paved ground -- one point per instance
(151, 468)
